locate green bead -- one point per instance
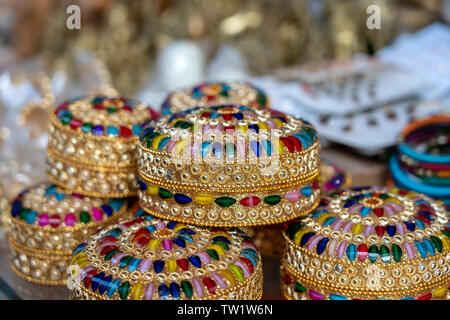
(124, 262)
(164, 193)
(186, 286)
(111, 110)
(373, 253)
(396, 252)
(298, 287)
(85, 217)
(110, 254)
(437, 243)
(86, 127)
(222, 244)
(23, 213)
(238, 272)
(384, 196)
(272, 200)
(385, 254)
(213, 254)
(293, 228)
(225, 201)
(447, 233)
(124, 288)
(261, 98)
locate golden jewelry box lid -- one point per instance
(228, 165)
(146, 258)
(369, 243)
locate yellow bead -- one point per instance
(219, 249)
(172, 265)
(178, 227)
(440, 292)
(157, 140)
(238, 272)
(298, 236)
(153, 244)
(357, 228)
(263, 126)
(445, 241)
(179, 146)
(278, 122)
(223, 234)
(323, 217)
(229, 276)
(278, 145)
(203, 199)
(152, 190)
(136, 291)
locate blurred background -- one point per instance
(145, 49)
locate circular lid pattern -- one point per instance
(147, 258)
(51, 208)
(101, 116)
(215, 93)
(197, 162)
(371, 241)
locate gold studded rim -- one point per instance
(41, 282)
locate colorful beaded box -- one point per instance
(269, 240)
(369, 243)
(228, 166)
(215, 93)
(46, 223)
(92, 144)
(150, 259)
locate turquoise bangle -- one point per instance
(408, 151)
(400, 177)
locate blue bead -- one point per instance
(365, 211)
(217, 149)
(306, 238)
(97, 130)
(158, 266)
(175, 291)
(321, 245)
(163, 292)
(411, 226)
(171, 224)
(256, 148)
(181, 198)
(318, 213)
(429, 246)
(137, 129)
(113, 131)
(163, 142)
(267, 145)
(104, 284)
(239, 116)
(79, 248)
(142, 186)
(196, 262)
(250, 257)
(306, 191)
(113, 286)
(116, 203)
(419, 223)
(329, 221)
(420, 247)
(16, 207)
(426, 214)
(107, 209)
(253, 127)
(180, 242)
(186, 231)
(391, 230)
(221, 238)
(351, 251)
(150, 228)
(349, 204)
(204, 148)
(133, 264)
(30, 217)
(337, 297)
(96, 281)
(59, 196)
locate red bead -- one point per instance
(61, 107)
(206, 114)
(126, 108)
(315, 185)
(247, 263)
(140, 233)
(228, 128)
(402, 192)
(227, 116)
(55, 220)
(88, 278)
(75, 124)
(134, 221)
(99, 107)
(362, 252)
(107, 249)
(125, 132)
(153, 113)
(425, 297)
(423, 218)
(109, 239)
(250, 201)
(287, 279)
(296, 142)
(210, 284)
(183, 264)
(288, 144)
(379, 230)
(379, 212)
(143, 241)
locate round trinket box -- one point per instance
(92, 144)
(151, 259)
(46, 223)
(269, 240)
(369, 243)
(215, 93)
(228, 166)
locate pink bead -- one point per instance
(116, 258)
(332, 247)
(167, 244)
(243, 267)
(197, 287)
(204, 257)
(347, 227)
(341, 249)
(219, 279)
(410, 251)
(148, 291)
(97, 214)
(354, 208)
(160, 225)
(313, 241)
(144, 265)
(43, 219)
(249, 246)
(293, 196)
(70, 220)
(315, 295)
